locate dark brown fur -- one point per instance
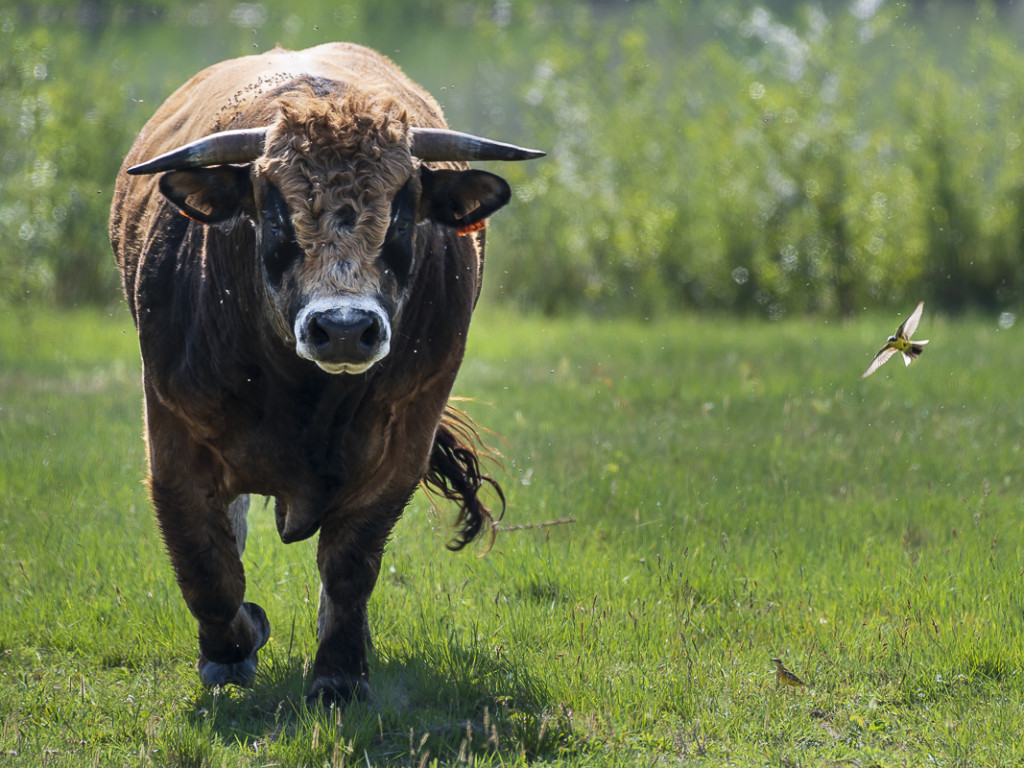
(232, 410)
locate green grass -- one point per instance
(738, 492)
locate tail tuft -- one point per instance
(454, 472)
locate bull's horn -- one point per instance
(440, 144)
(240, 146)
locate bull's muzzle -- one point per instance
(345, 338)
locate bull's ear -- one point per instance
(461, 198)
(210, 195)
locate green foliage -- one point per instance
(822, 166)
(64, 127)
(738, 494)
(701, 156)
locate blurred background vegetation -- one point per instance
(783, 158)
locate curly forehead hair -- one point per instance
(338, 161)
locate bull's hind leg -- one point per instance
(204, 532)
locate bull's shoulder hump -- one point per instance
(371, 70)
(342, 62)
(272, 67)
(217, 97)
(342, 52)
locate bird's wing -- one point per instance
(883, 354)
(906, 330)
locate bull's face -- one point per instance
(339, 267)
(340, 233)
(335, 305)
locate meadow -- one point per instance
(735, 492)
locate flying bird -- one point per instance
(900, 342)
(784, 677)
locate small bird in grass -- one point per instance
(784, 677)
(900, 342)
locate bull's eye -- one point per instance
(275, 238)
(398, 247)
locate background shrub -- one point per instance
(780, 159)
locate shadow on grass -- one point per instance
(447, 702)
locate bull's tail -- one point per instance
(454, 472)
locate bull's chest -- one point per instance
(314, 449)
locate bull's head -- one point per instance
(339, 215)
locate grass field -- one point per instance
(738, 494)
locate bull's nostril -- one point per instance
(370, 338)
(319, 337)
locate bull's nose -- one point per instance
(354, 336)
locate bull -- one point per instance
(299, 237)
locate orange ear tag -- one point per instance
(470, 228)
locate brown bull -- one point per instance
(301, 326)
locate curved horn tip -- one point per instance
(236, 146)
(511, 153)
(532, 154)
(444, 144)
(143, 168)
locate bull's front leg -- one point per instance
(349, 557)
(204, 531)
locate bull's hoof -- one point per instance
(212, 673)
(337, 690)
